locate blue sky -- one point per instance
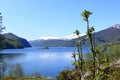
(33, 19)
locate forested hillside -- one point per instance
(22, 41)
(9, 43)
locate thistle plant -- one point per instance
(79, 62)
(85, 14)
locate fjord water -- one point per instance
(49, 62)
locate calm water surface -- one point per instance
(49, 62)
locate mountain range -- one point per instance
(10, 40)
(111, 34)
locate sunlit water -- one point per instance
(49, 62)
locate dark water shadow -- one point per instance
(7, 57)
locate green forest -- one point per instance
(102, 63)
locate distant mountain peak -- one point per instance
(116, 26)
(9, 34)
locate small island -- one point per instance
(46, 47)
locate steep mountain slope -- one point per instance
(22, 41)
(111, 34)
(6, 43)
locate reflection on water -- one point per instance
(3, 65)
(11, 55)
(48, 62)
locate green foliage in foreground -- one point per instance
(18, 78)
(107, 71)
(16, 72)
(99, 64)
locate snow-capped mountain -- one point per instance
(111, 34)
(55, 41)
(48, 38)
(70, 37)
(116, 26)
